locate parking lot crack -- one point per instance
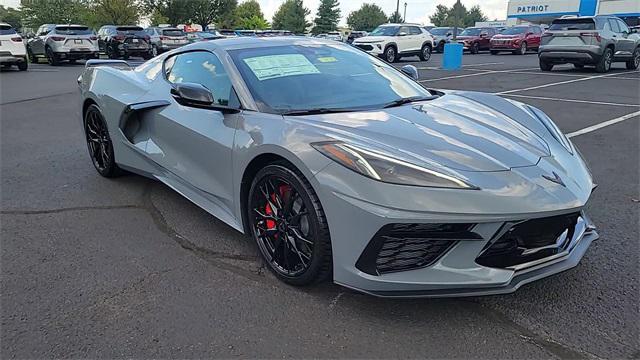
(67, 209)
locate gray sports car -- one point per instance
(341, 167)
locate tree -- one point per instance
(291, 15)
(38, 12)
(116, 12)
(248, 15)
(396, 18)
(327, 17)
(173, 11)
(465, 18)
(367, 18)
(11, 16)
(205, 12)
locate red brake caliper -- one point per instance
(282, 189)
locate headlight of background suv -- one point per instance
(384, 168)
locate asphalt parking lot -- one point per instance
(93, 267)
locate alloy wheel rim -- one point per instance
(637, 58)
(98, 141)
(282, 226)
(426, 53)
(390, 55)
(523, 48)
(607, 60)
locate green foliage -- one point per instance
(248, 15)
(457, 15)
(158, 18)
(38, 12)
(111, 12)
(291, 15)
(367, 18)
(396, 18)
(205, 12)
(11, 16)
(327, 17)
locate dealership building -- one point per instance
(544, 11)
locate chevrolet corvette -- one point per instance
(341, 167)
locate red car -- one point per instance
(476, 39)
(517, 39)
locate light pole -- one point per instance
(404, 18)
(398, 7)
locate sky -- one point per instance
(418, 11)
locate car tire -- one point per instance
(99, 143)
(440, 47)
(52, 58)
(522, 50)
(475, 48)
(147, 56)
(604, 65)
(425, 53)
(545, 66)
(494, 52)
(110, 53)
(154, 51)
(23, 65)
(305, 257)
(634, 63)
(391, 54)
(32, 57)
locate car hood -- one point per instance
(370, 39)
(455, 131)
(468, 37)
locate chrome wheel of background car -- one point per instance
(154, 51)
(523, 48)
(426, 53)
(51, 57)
(390, 54)
(634, 63)
(99, 143)
(475, 48)
(288, 224)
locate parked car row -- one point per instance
(393, 41)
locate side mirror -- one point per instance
(411, 71)
(528, 34)
(402, 34)
(483, 35)
(192, 94)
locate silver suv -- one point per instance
(596, 40)
(165, 39)
(63, 42)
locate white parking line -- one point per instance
(572, 100)
(483, 64)
(569, 75)
(558, 83)
(603, 124)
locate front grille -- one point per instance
(523, 242)
(401, 247)
(365, 47)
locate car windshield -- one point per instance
(440, 31)
(514, 30)
(573, 24)
(471, 32)
(385, 31)
(131, 30)
(205, 35)
(332, 77)
(172, 33)
(73, 30)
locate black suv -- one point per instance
(124, 41)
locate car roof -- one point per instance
(237, 43)
(403, 24)
(5, 24)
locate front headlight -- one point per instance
(384, 168)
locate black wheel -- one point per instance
(52, 58)
(522, 50)
(99, 143)
(578, 66)
(154, 51)
(425, 53)
(289, 226)
(634, 63)
(111, 53)
(390, 54)
(440, 47)
(475, 48)
(23, 65)
(494, 52)
(545, 66)
(604, 65)
(147, 56)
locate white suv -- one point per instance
(393, 41)
(12, 49)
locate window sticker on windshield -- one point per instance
(276, 66)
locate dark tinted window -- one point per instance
(515, 30)
(536, 30)
(415, 30)
(6, 30)
(440, 31)
(73, 30)
(573, 24)
(200, 67)
(623, 26)
(471, 32)
(385, 31)
(613, 24)
(173, 32)
(131, 30)
(288, 78)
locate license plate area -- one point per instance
(77, 41)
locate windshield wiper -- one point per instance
(408, 100)
(316, 111)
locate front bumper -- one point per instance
(355, 214)
(371, 48)
(505, 46)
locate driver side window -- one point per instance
(202, 67)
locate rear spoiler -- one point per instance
(111, 63)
